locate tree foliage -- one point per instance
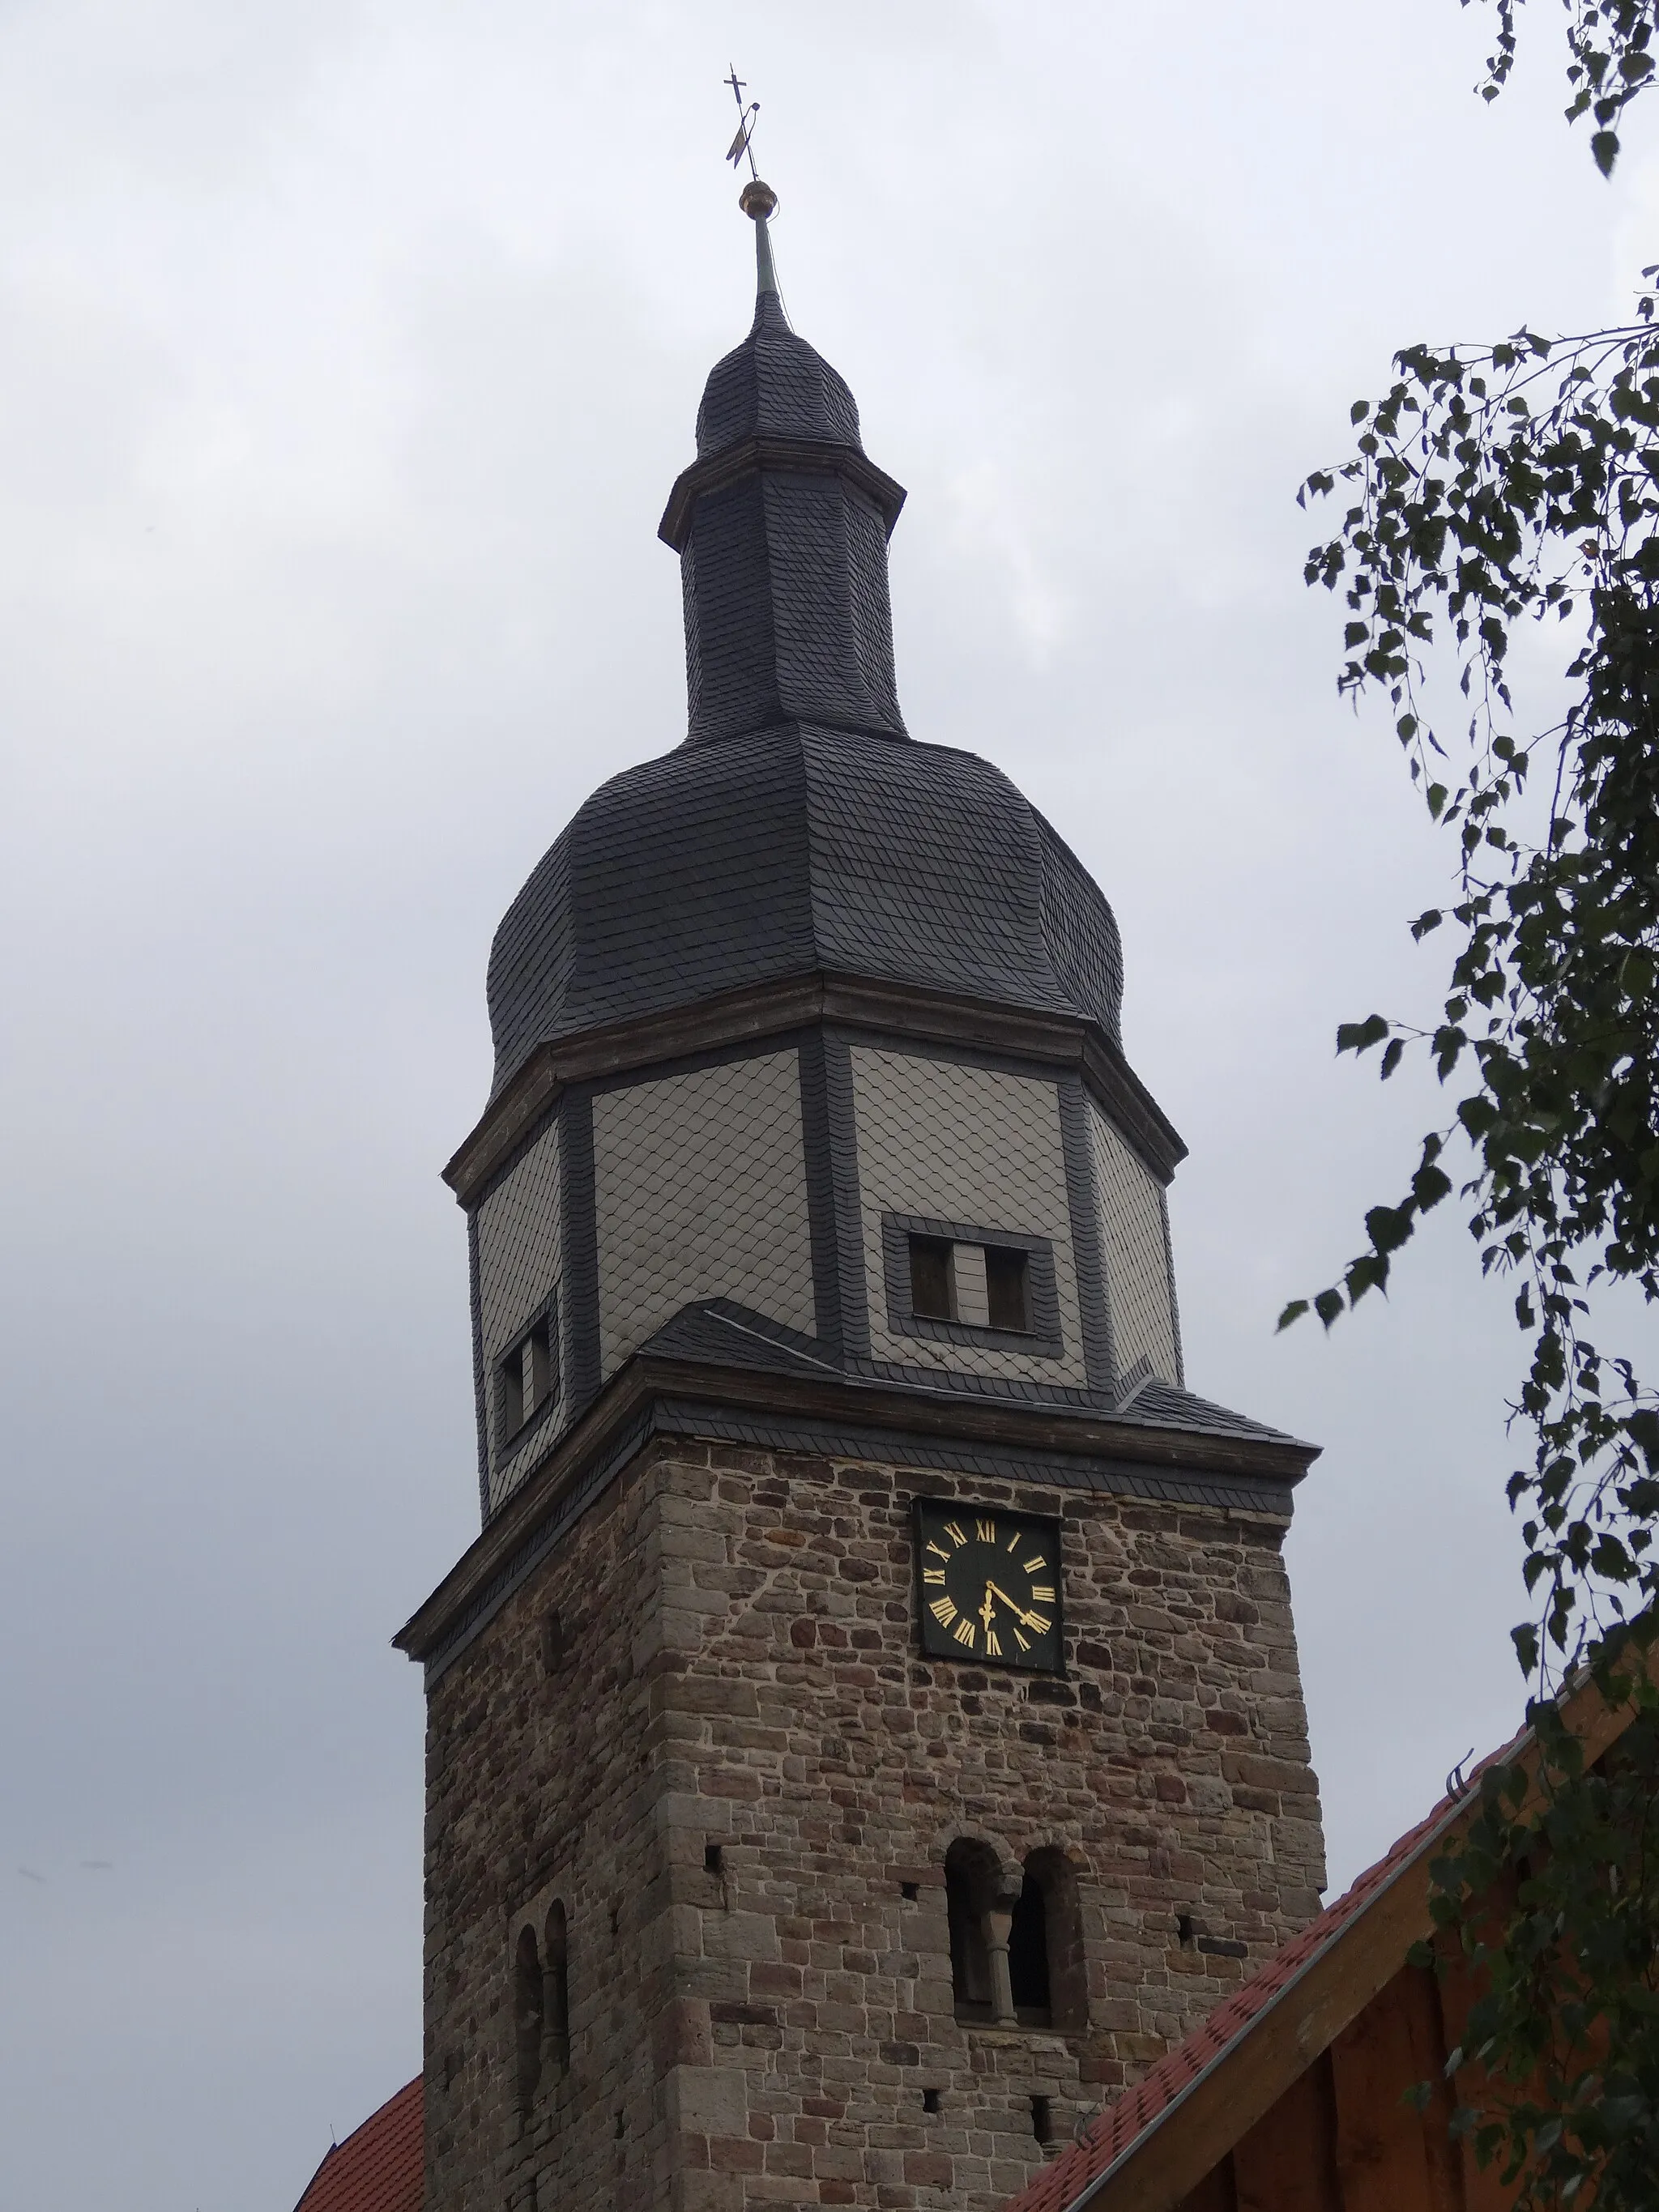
(1503, 496)
(1564, 2028)
(1610, 61)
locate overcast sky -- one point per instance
(347, 353)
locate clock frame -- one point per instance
(989, 1591)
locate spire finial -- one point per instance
(757, 199)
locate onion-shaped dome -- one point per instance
(775, 386)
(792, 852)
(797, 831)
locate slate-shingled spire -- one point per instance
(798, 833)
(782, 526)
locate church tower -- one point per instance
(867, 1730)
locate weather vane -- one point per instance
(740, 145)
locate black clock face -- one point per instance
(989, 1585)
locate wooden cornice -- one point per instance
(849, 1403)
(767, 1009)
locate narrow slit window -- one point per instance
(932, 1287)
(555, 1991)
(529, 2016)
(1008, 1288)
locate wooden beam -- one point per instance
(1215, 2193)
(1287, 2161)
(1457, 1985)
(1386, 2157)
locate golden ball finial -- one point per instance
(757, 200)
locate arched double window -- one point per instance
(1017, 1955)
(541, 2005)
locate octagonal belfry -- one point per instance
(818, 1224)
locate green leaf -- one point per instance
(1360, 1036)
(1429, 1185)
(1388, 1227)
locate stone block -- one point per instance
(708, 2100)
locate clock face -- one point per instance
(989, 1585)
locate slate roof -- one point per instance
(798, 830)
(721, 1333)
(380, 2167)
(794, 851)
(775, 386)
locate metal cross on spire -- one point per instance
(757, 199)
(740, 145)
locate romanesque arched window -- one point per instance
(971, 1883)
(529, 2016)
(1028, 1954)
(555, 1989)
(1045, 1949)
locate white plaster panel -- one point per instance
(700, 1192)
(971, 1144)
(1134, 1243)
(519, 1259)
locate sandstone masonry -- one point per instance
(703, 1728)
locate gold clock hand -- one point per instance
(1030, 1619)
(985, 1610)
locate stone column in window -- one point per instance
(998, 1923)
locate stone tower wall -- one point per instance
(735, 1668)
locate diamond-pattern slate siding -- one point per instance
(815, 840)
(974, 1144)
(1134, 1239)
(519, 1265)
(700, 1192)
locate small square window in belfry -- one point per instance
(932, 1286)
(525, 1381)
(1008, 1288)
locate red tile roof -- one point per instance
(1109, 2135)
(378, 2168)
